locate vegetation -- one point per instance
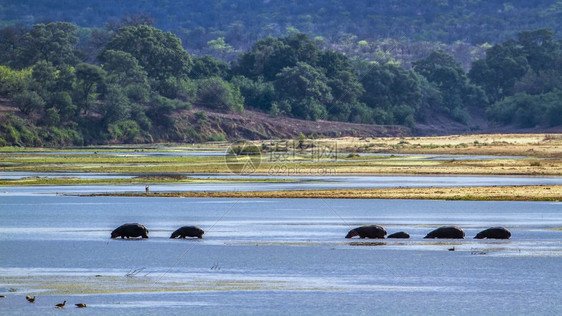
(383, 30)
(131, 82)
(552, 193)
(300, 160)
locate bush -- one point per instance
(309, 109)
(257, 94)
(216, 93)
(28, 102)
(124, 130)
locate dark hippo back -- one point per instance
(494, 233)
(130, 230)
(403, 235)
(368, 231)
(188, 231)
(447, 232)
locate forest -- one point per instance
(132, 82)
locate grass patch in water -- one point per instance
(38, 181)
(484, 193)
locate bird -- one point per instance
(60, 305)
(80, 305)
(2, 296)
(452, 249)
(30, 299)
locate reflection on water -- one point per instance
(300, 183)
(274, 256)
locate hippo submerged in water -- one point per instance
(402, 235)
(369, 231)
(188, 231)
(130, 230)
(494, 233)
(447, 232)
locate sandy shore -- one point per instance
(485, 193)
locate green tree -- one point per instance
(334, 62)
(269, 56)
(218, 94)
(13, 81)
(43, 76)
(206, 67)
(115, 107)
(450, 78)
(54, 42)
(10, 42)
(160, 54)
(539, 47)
(504, 64)
(266, 58)
(307, 90)
(390, 85)
(89, 78)
(257, 94)
(123, 69)
(28, 102)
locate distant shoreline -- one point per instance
(552, 193)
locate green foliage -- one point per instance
(123, 69)
(124, 131)
(116, 106)
(523, 78)
(13, 81)
(270, 55)
(28, 102)
(457, 93)
(527, 110)
(146, 79)
(207, 67)
(16, 131)
(504, 64)
(51, 118)
(54, 43)
(306, 89)
(89, 80)
(159, 54)
(215, 93)
(257, 94)
(63, 103)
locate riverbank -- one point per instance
(483, 193)
(506, 154)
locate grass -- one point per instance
(30, 162)
(35, 181)
(484, 193)
(539, 154)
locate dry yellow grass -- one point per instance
(538, 145)
(487, 193)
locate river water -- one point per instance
(275, 256)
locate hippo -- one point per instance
(130, 230)
(188, 231)
(368, 231)
(447, 232)
(494, 233)
(404, 235)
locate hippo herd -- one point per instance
(444, 232)
(135, 230)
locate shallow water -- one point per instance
(298, 183)
(276, 256)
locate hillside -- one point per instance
(130, 81)
(377, 30)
